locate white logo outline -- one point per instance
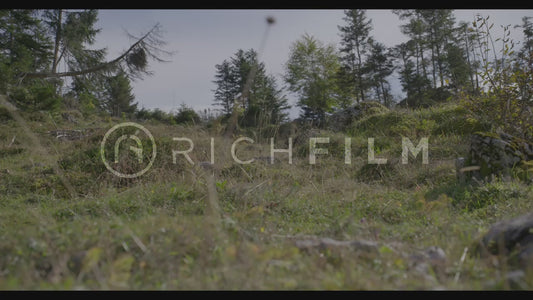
(117, 173)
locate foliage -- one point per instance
(73, 32)
(119, 95)
(156, 114)
(505, 97)
(380, 66)
(35, 43)
(437, 55)
(356, 45)
(24, 45)
(242, 83)
(186, 115)
(226, 90)
(40, 95)
(310, 74)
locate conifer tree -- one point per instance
(355, 46)
(120, 97)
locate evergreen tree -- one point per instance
(186, 115)
(269, 103)
(227, 89)
(457, 67)
(73, 33)
(415, 29)
(261, 103)
(24, 45)
(380, 66)
(119, 95)
(527, 45)
(435, 55)
(40, 47)
(355, 44)
(524, 62)
(439, 25)
(413, 83)
(466, 39)
(243, 64)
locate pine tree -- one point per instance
(119, 95)
(74, 33)
(186, 115)
(415, 29)
(524, 55)
(380, 66)
(439, 26)
(435, 52)
(243, 64)
(269, 103)
(466, 40)
(226, 90)
(355, 44)
(413, 83)
(524, 62)
(261, 103)
(24, 45)
(36, 44)
(457, 68)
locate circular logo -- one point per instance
(136, 150)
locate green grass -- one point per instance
(154, 233)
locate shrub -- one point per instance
(37, 96)
(504, 100)
(186, 115)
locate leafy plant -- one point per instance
(221, 185)
(37, 96)
(504, 100)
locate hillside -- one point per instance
(66, 222)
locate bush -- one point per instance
(155, 114)
(488, 194)
(88, 104)
(393, 123)
(37, 96)
(455, 119)
(186, 115)
(505, 98)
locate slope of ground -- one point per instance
(330, 225)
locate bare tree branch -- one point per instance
(146, 45)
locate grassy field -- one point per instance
(278, 226)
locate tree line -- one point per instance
(442, 59)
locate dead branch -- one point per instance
(147, 44)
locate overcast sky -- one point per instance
(203, 38)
